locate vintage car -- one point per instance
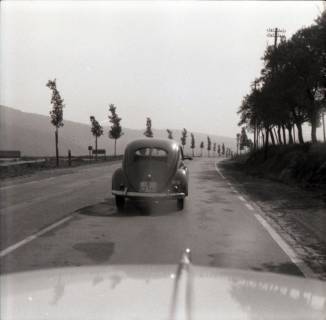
(151, 169)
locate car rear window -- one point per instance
(150, 154)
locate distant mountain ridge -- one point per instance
(33, 135)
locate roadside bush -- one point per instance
(297, 163)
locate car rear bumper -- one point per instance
(149, 195)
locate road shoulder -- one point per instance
(297, 215)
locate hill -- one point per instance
(33, 135)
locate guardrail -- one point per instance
(17, 163)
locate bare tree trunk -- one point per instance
(279, 135)
(266, 143)
(257, 137)
(272, 136)
(323, 118)
(115, 147)
(95, 148)
(314, 120)
(289, 128)
(276, 136)
(57, 146)
(294, 137)
(284, 135)
(300, 136)
(313, 133)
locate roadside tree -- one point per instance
(115, 131)
(170, 134)
(201, 148)
(148, 132)
(183, 138)
(192, 144)
(56, 114)
(96, 130)
(209, 145)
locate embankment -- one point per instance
(303, 165)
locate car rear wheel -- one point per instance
(180, 204)
(120, 202)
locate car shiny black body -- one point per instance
(151, 169)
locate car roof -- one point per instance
(166, 144)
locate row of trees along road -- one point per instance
(115, 131)
(291, 88)
(56, 114)
(220, 150)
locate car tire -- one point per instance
(180, 203)
(120, 202)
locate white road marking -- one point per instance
(219, 171)
(25, 183)
(33, 236)
(249, 207)
(234, 190)
(306, 271)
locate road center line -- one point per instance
(33, 236)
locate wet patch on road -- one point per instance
(101, 209)
(108, 209)
(207, 175)
(99, 252)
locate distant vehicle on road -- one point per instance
(151, 169)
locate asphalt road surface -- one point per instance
(70, 219)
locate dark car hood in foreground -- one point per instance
(150, 292)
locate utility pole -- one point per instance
(254, 85)
(276, 33)
(324, 133)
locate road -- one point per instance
(71, 220)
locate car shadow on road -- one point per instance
(107, 208)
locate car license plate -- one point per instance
(148, 186)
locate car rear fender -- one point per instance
(181, 175)
(118, 180)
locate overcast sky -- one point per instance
(184, 64)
